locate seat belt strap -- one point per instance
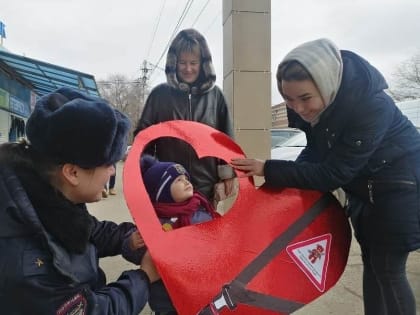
(235, 292)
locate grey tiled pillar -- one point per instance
(246, 72)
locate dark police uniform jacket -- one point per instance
(38, 276)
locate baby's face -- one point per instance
(181, 189)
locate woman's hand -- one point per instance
(136, 240)
(251, 167)
(149, 268)
(224, 189)
(229, 185)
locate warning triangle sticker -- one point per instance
(312, 257)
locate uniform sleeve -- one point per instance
(133, 256)
(128, 295)
(34, 283)
(108, 237)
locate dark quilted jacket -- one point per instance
(364, 144)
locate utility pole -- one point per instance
(146, 71)
(143, 79)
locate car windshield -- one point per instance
(298, 140)
(279, 136)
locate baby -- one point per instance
(173, 196)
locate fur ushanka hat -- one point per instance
(71, 127)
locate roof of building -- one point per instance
(45, 77)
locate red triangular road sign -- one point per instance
(312, 257)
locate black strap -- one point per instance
(236, 292)
(283, 239)
(240, 294)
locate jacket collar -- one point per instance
(34, 206)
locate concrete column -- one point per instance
(246, 72)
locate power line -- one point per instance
(199, 14)
(212, 22)
(152, 64)
(155, 29)
(180, 20)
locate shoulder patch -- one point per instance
(76, 305)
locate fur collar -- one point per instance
(68, 223)
(207, 77)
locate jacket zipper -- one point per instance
(371, 181)
(190, 106)
(190, 118)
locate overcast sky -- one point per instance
(103, 37)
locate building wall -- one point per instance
(247, 79)
(279, 116)
(4, 126)
(15, 105)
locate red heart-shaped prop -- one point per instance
(275, 250)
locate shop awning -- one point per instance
(46, 77)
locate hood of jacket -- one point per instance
(360, 79)
(207, 77)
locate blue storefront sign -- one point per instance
(18, 107)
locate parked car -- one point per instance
(278, 136)
(289, 149)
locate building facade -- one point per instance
(23, 80)
(15, 104)
(279, 116)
